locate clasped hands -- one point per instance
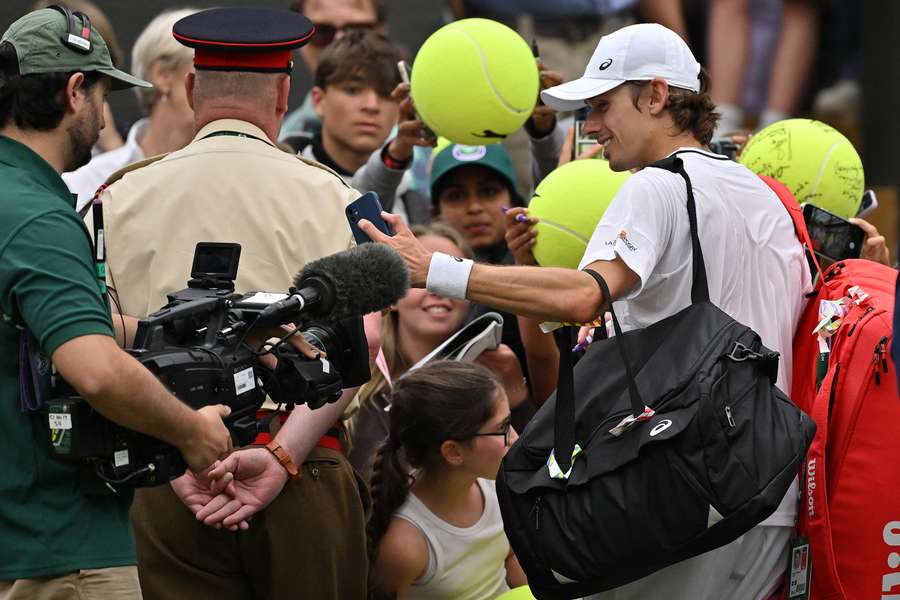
(230, 491)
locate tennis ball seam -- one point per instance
(487, 73)
(565, 229)
(821, 173)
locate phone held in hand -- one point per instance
(833, 238)
(582, 142)
(725, 148)
(366, 207)
(403, 68)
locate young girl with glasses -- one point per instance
(436, 530)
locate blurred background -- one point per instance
(833, 60)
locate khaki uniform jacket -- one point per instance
(283, 210)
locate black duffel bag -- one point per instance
(711, 458)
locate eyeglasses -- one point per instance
(325, 33)
(504, 431)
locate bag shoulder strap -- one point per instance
(793, 208)
(700, 285)
(564, 417)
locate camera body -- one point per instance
(195, 346)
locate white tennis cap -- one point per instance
(635, 53)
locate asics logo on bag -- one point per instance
(660, 427)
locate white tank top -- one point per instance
(464, 563)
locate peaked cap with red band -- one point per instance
(244, 39)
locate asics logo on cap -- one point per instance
(605, 64)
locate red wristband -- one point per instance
(392, 163)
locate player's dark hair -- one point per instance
(365, 56)
(691, 111)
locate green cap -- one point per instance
(46, 40)
(449, 156)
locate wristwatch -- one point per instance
(284, 458)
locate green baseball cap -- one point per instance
(50, 40)
(449, 156)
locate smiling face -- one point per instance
(470, 199)
(624, 131)
(429, 316)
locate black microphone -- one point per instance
(363, 279)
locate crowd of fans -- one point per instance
(425, 444)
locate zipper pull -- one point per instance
(536, 509)
(729, 416)
(875, 359)
(884, 354)
(862, 316)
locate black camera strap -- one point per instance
(99, 243)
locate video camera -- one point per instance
(195, 345)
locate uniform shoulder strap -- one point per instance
(132, 167)
(318, 165)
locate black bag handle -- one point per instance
(564, 419)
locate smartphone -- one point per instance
(366, 207)
(832, 237)
(403, 68)
(582, 141)
(725, 148)
(868, 204)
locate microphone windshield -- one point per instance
(366, 278)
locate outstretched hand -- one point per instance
(415, 255)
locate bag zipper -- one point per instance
(729, 416)
(605, 425)
(880, 356)
(536, 511)
(861, 317)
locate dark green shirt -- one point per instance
(47, 285)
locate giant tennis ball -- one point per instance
(815, 161)
(569, 203)
(474, 81)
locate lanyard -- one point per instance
(235, 134)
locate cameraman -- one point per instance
(232, 184)
(54, 537)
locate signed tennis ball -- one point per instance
(815, 161)
(474, 81)
(569, 203)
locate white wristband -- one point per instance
(448, 276)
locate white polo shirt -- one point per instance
(755, 265)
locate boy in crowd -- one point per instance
(333, 18)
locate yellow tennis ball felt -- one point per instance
(569, 203)
(520, 593)
(474, 81)
(815, 161)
